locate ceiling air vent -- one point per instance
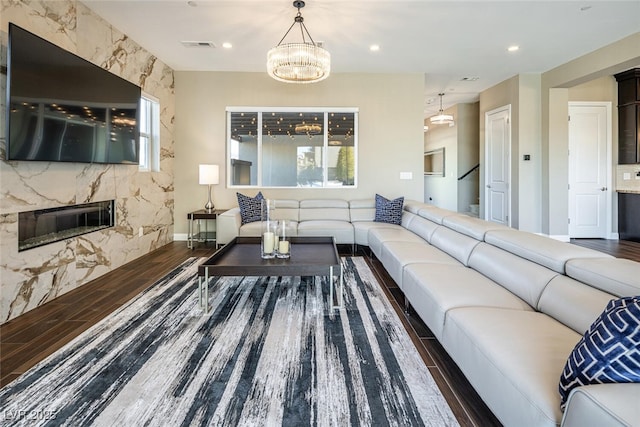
(195, 43)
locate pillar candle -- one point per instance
(268, 242)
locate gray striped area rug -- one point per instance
(270, 353)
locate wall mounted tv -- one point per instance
(62, 108)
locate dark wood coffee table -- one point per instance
(310, 256)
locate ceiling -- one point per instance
(460, 46)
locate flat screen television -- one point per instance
(62, 108)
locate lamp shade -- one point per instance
(209, 174)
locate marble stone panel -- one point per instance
(144, 200)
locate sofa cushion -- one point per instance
(361, 230)
(521, 277)
(611, 405)
(472, 227)
(389, 211)
(251, 229)
(391, 233)
(572, 303)
(423, 227)
(435, 214)
(413, 206)
(362, 210)
(616, 276)
(286, 209)
(324, 209)
(609, 352)
(396, 255)
(434, 289)
(455, 244)
(543, 250)
(250, 207)
(513, 358)
(342, 231)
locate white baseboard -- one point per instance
(180, 237)
(566, 238)
(561, 237)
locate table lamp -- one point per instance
(209, 175)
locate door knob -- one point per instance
(603, 189)
(488, 186)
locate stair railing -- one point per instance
(469, 171)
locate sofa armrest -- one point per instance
(228, 226)
(603, 405)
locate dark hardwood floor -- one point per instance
(29, 338)
(618, 248)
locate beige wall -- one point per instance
(604, 89)
(390, 131)
(442, 191)
(500, 95)
(522, 93)
(461, 154)
(616, 57)
(529, 142)
(539, 107)
(468, 155)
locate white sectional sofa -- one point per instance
(508, 306)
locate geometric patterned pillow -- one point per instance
(250, 207)
(389, 210)
(609, 352)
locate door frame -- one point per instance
(487, 114)
(609, 234)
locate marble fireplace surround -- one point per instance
(144, 201)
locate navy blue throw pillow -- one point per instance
(609, 352)
(250, 207)
(389, 211)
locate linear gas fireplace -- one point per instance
(41, 227)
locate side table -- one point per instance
(199, 235)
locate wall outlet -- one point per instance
(140, 232)
(626, 176)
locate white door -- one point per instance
(497, 165)
(589, 192)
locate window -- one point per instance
(292, 147)
(149, 134)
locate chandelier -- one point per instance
(303, 62)
(441, 118)
(309, 129)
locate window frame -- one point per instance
(259, 137)
(152, 152)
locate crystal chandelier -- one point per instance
(303, 62)
(305, 128)
(441, 118)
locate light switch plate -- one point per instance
(406, 175)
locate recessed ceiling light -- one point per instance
(513, 48)
(374, 47)
(470, 79)
(227, 45)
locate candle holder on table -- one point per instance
(284, 243)
(269, 240)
